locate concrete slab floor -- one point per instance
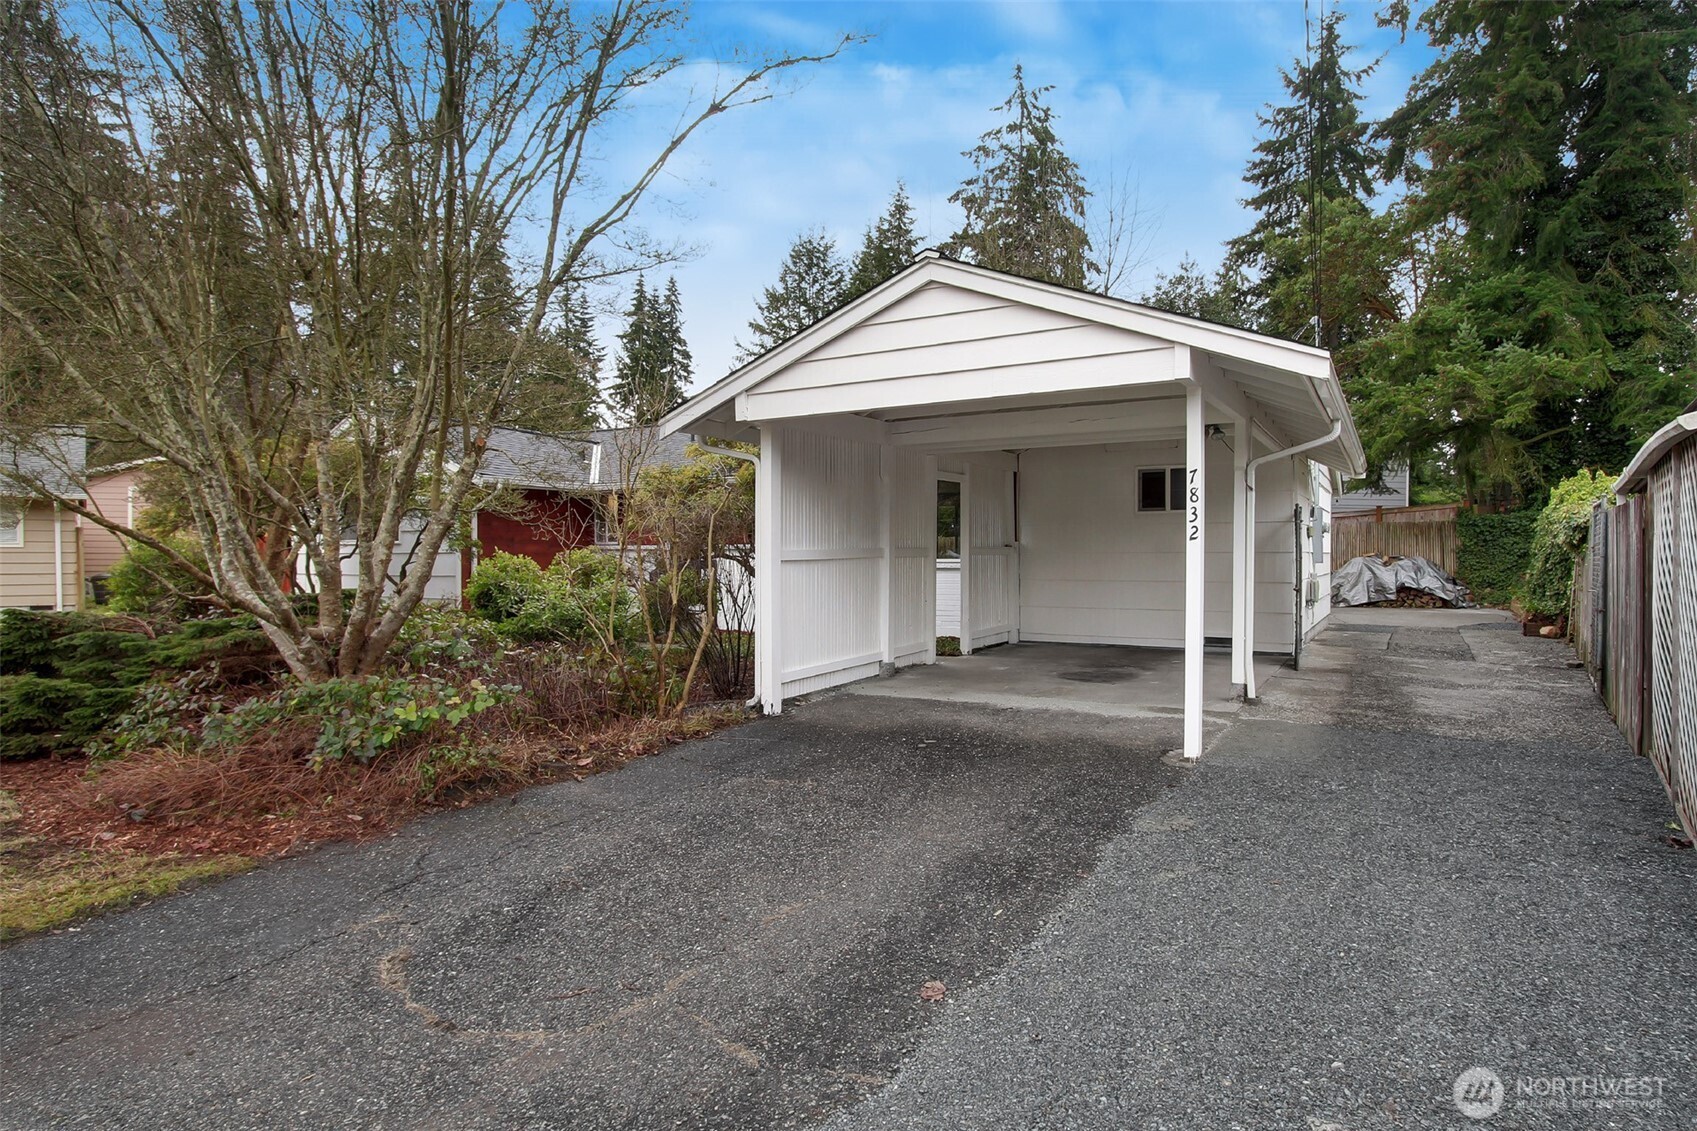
(1090, 678)
(1345, 617)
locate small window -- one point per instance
(1160, 489)
(11, 524)
(606, 525)
(948, 520)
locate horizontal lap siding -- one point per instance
(831, 561)
(1096, 569)
(26, 572)
(948, 599)
(943, 343)
(109, 496)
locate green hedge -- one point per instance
(1492, 553)
(1562, 529)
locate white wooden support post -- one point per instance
(930, 613)
(1195, 442)
(1241, 440)
(768, 559)
(887, 588)
(966, 594)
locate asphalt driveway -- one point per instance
(1426, 851)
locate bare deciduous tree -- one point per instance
(314, 254)
(1122, 231)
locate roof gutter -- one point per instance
(714, 449)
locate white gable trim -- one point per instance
(738, 398)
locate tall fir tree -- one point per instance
(1025, 199)
(1550, 148)
(811, 284)
(1316, 250)
(679, 363)
(888, 246)
(560, 389)
(654, 365)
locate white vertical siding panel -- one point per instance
(830, 581)
(914, 534)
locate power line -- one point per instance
(1316, 228)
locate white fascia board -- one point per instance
(1229, 341)
(1666, 438)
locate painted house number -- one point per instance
(1195, 508)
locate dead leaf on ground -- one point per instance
(932, 991)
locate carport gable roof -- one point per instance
(907, 351)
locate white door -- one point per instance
(989, 557)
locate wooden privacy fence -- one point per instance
(1426, 532)
(1634, 619)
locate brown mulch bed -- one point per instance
(256, 807)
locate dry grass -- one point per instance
(43, 885)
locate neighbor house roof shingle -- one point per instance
(56, 461)
(580, 461)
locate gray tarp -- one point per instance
(1362, 581)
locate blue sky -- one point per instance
(1161, 95)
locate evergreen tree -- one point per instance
(654, 364)
(1024, 202)
(1189, 291)
(1316, 249)
(1550, 145)
(679, 364)
(558, 392)
(811, 284)
(889, 246)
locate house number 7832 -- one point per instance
(1194, 508)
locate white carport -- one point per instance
(1054, 410)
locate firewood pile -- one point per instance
(1407, 598)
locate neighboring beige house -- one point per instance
(115, 492)
(41, 546)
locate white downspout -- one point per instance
(58, 559)
(714, 449)
(1249, 573)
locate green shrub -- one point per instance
(26, 641)
(1492, 553)
(144, 580)
(502, 584)
(435, 636)
(574, 600)
(70, 676)
(1559, 534)
(355, 718)
(41, 716)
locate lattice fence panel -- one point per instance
(1672, 742)
(1680, 770)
